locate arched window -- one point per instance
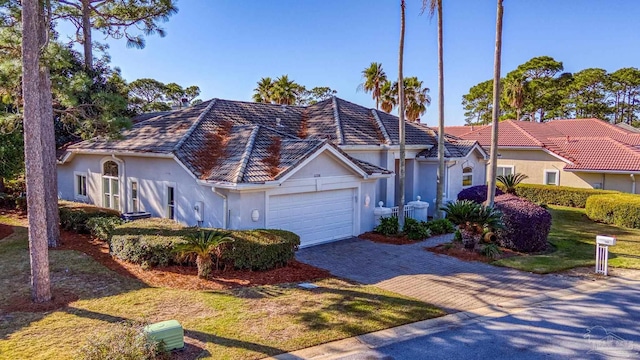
(110, 185)
(467, 176)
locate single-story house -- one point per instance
(585, 153)
(318, 170)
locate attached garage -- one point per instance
(316, 216)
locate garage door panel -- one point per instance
(316, 216)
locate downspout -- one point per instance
(225, 206)
(633, 184)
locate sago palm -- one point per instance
(202, 248)
(374, 77)
(510, 181)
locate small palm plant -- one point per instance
(202, 248)
(510, 181)
(472, 220)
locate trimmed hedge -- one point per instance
(102, 227)
(75, 216)
(477, 193)
(618, 209)
(558, 195)
(151, 242)
(526, 225)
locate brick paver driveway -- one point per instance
(444, 281)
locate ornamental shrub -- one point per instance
(476, 194)
(102, 227)
(416, 230)
(440, 226)
(126, 341)
(525, 224)
(75, 216)
(388, 226)
(558, 195)
(618, 209)
(260, 249)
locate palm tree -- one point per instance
(388, 96)
(433, 6)
(510, 181)
(285, 91)
(514, 90)
(416, 98)
(401, 124)
(264, 92)
(202, 247)
(493, 167)
(374, 77)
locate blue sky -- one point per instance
(225, 47)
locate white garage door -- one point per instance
(316, 216)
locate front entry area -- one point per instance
(316, 216)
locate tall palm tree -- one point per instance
(264, 91)
(416, 98)
(202, 247)
(388, 96)
(401, 111)
(433, 6)
(285, 91)
(374, 77)
(514, 90)
(493, 166)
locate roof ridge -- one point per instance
(194, 125)
(383, 130)
(248, 149)
(336, 115)
(525, 132)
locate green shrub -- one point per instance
(558, 195)
(261, 249)
(416, 230)
(102, 227)
(457, 236)
(440, 226)
(124, 341)
(492, 251)
(619, 209)
(75, 216)
(149, 242)
(388, 226)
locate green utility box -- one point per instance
(170, 332)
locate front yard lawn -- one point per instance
(241, 323)
(573, 236)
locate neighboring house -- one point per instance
(318, 170)
(587, 153)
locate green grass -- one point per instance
(245, 323)
(573, 237)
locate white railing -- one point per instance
(408, 211)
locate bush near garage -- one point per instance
(75, 216)
(416, 230)
(618, 209)
(440, 227)
(558, 195)
(525, 224)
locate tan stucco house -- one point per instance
(586, 153)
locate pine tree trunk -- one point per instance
(34, 140)
(49, 156)
(493, 168)
(401, 123)
(440, 175)
(86, 35)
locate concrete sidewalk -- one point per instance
(363, 346)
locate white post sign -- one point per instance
(602, 253)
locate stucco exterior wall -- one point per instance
(153, 176)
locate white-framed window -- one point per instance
(552, 177)
(505, 170)
(467, 177)
(170, 205)
(135, 192)
(80, 185)
(111, 185)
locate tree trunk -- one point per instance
(1, 184)
(49, 157)
(493, 168)
(204, 265)
(440, 176)
(86, 35)
(518, 114)
(401, 122)
(34, 139)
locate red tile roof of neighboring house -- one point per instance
(459, 130)
(587, 144)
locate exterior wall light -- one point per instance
(255, 215)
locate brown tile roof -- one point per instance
(589, 144)
(452, 149)
(416, 133)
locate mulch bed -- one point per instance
(5, 230)
(458, 251)
(23, 303)
(185, 277)
(394, 240)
